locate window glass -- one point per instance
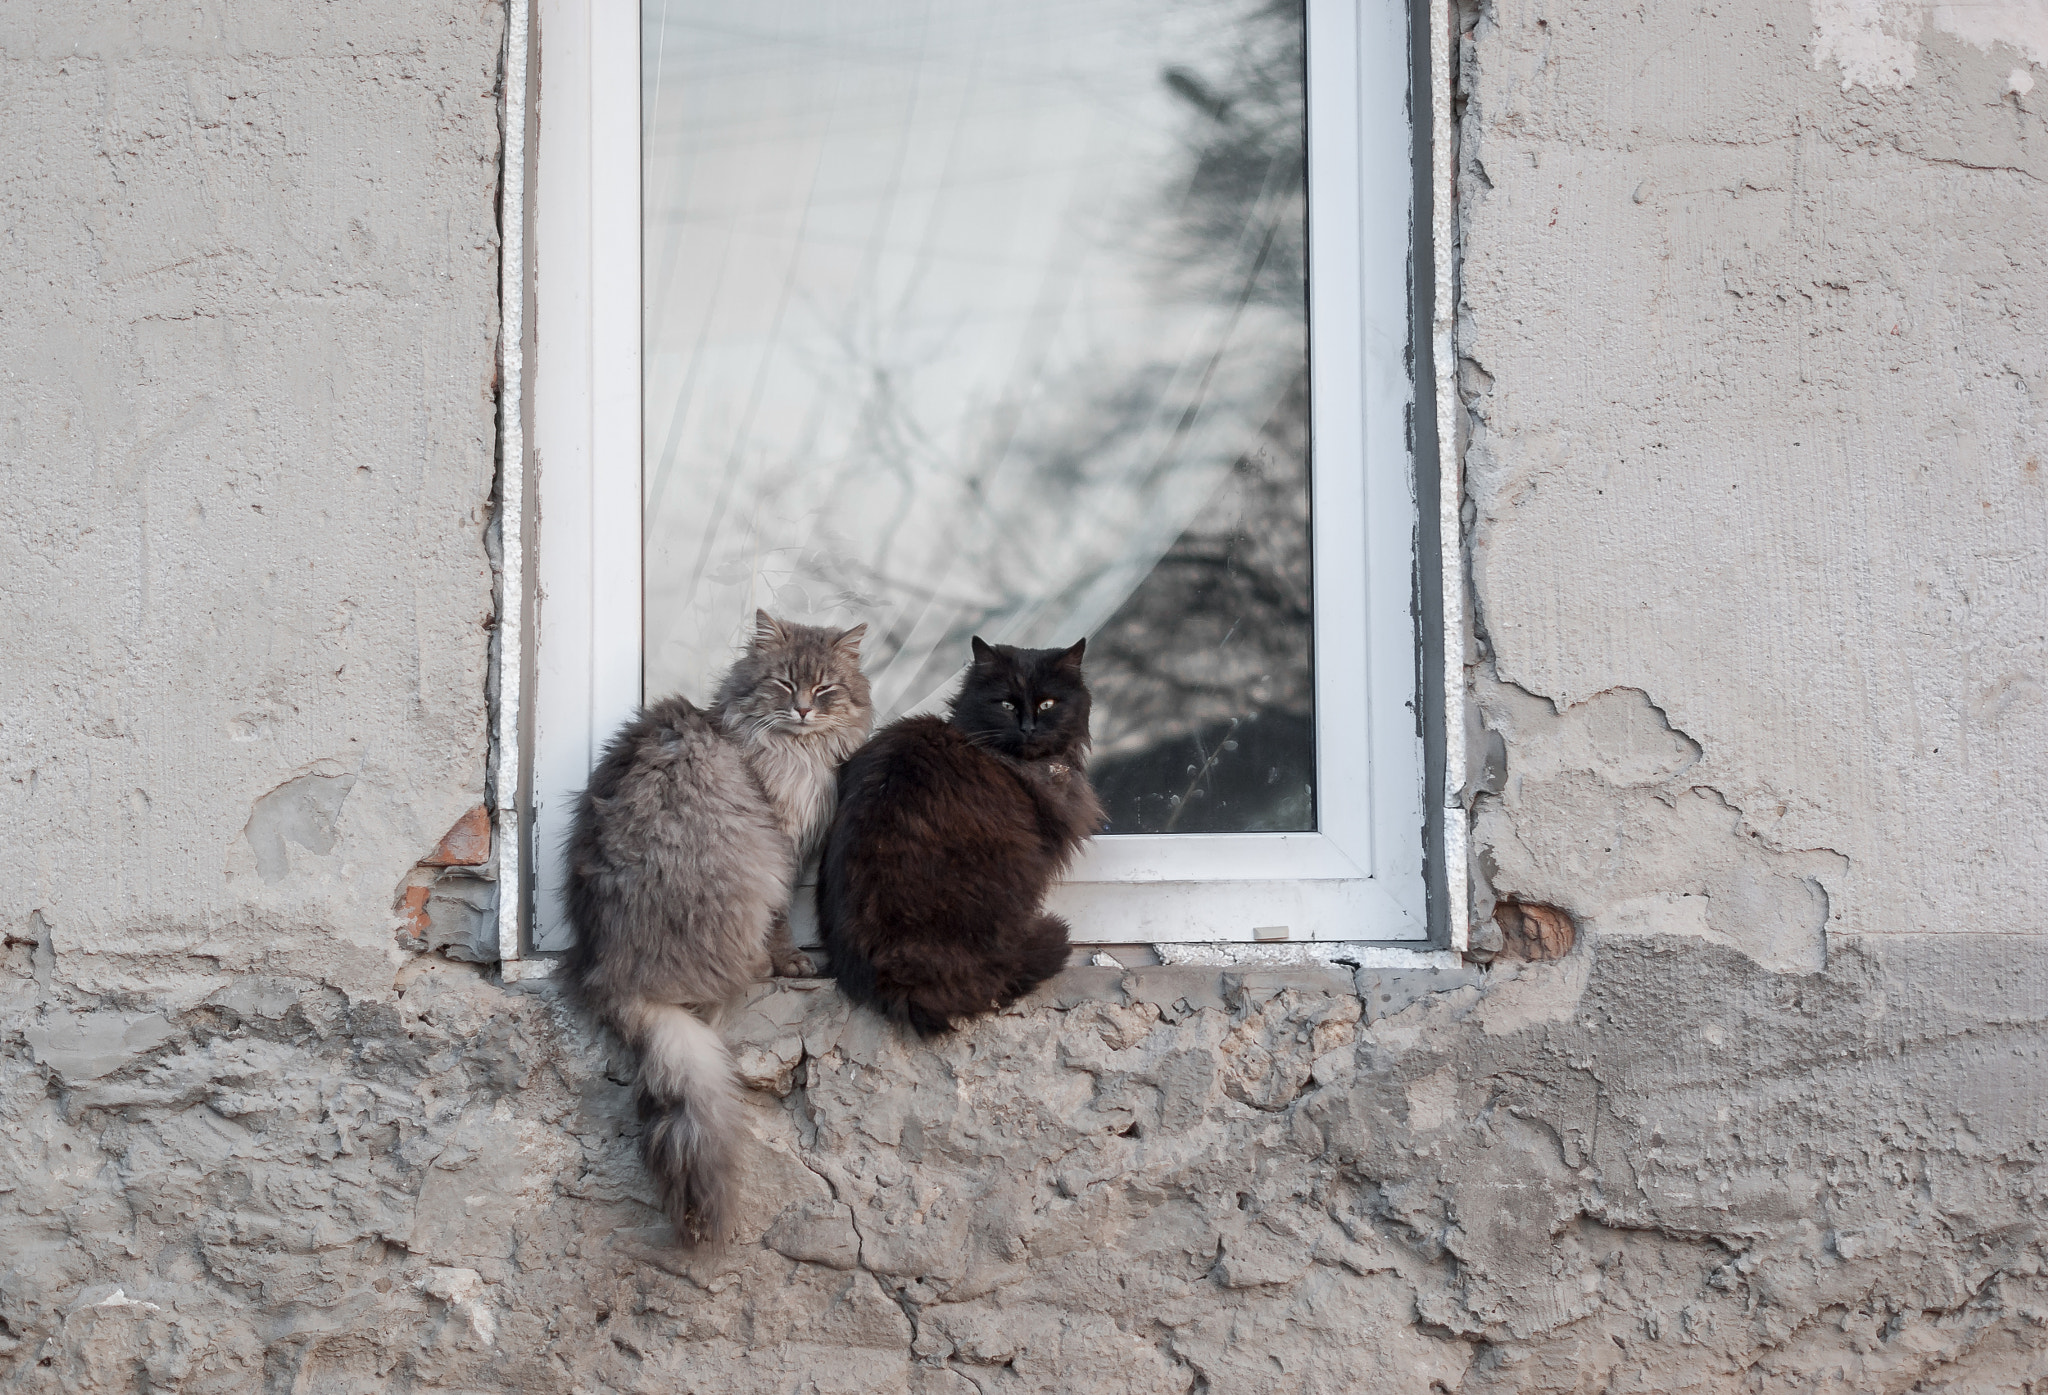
(981, 317)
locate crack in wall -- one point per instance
(1596, 766)
(1655, 1162)
(1396, 1178)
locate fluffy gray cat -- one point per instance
(680, 862)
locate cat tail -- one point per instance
(689, 1107)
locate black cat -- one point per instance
(948, 835)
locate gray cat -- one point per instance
(680, 864)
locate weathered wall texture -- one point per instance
(1751, 352)
(1652, 1169)
(249, 432)
(1759, 382)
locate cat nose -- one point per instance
(803, 714)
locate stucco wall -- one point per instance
(248, 366)
(1759, 393)
(1749, 334)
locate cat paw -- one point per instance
(796, 964)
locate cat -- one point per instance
(681, 856)
(948, 834)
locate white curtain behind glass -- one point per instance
(919, 350)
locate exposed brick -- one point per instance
(468, 844)
(414, 908)
(1531, 931)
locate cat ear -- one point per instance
(767, 629)
(1072, 658)
(849, 640)
(982, 653)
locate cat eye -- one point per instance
(1009, 706)
(784, 684)
(1047, 705)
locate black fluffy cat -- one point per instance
(948, 835)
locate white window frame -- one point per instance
(1360, 876)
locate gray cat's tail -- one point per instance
(689, 1115)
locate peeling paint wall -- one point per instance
(1876, 42)
(1759, 401)
(1753, 381)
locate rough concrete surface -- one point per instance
(249, 426)
(1751, 356)
(1758, 381)
(1582, 1176)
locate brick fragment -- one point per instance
(468, 844)
(414, 908)
(1534, 931)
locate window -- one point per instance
(964, 317)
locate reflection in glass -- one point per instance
(988, 318)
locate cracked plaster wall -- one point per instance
(1759, 399)
(1750, 352)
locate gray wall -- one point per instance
(1755, 378)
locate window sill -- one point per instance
(1192, 976)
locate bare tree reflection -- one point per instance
(1202, 673)
(1205, 671)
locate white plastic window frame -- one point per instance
(1360, 877)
